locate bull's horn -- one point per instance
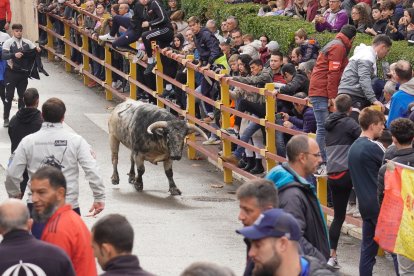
(159, 124)
(196, 128)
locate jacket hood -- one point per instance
(408, 87)
(364, 52)
(27, 115)
(347, 42)
(282, 177)
(333, 119)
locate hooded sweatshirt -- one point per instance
(26, 121)
(298, 197)
(356, 79)
(400, 101)
(251, 49)
(341, 132)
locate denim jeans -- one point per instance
(369, 247)
(280, 140)
(245, 137)
(320, 109)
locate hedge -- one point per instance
(279, 28)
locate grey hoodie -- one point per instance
(356, 79)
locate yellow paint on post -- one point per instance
(159, 68)
(225, 122)
(191, 152)
(133, 75)
(322, 191)
(86, 67)
(270, 133)
(68, 67)
(108, 73)
(49, 26)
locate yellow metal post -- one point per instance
(108, 73)
(225, 122)
(66, 35)
(133, 75)
(86, 67)
(191, 152)
(322, 191)
(270, 133)
(159, 68)
(49, 26)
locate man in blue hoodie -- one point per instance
(297, 196)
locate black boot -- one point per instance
(258, 168)
(249, 164)
(242, 163)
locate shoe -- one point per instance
(106, 37)
(350, 209)
(258, 168)
(92, 83)
(139, 56)
(321, 170)
(233, 159)
(230, 131)
(242, 162)
(117, 85)
(6, 123)
(43, 71)
(333, 262)
(150, 67)
(126, 49)
(249, 164)
(212, 141)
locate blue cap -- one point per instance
(273, 223)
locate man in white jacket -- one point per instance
(54, 146)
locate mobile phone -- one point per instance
(279, 116)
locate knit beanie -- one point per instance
(349, 31)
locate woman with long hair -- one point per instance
(361, 18)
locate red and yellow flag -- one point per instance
(395, 227)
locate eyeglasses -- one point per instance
(318, 154)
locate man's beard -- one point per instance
(47, 213)
(268, 268)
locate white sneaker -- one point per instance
(321, 171)
(212, 141)
(106, 37)
(333, 262)
(139, 56)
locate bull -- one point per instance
(152, 134)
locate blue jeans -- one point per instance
(320, 109)
(280, 140)
(369, 247)
(245, 137)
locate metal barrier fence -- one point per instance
(269, 92)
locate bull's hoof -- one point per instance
(174, 191)
(131, 178)
(139, 186)
(115, 180)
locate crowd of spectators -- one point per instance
(351, 103)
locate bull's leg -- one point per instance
(114, 144)
(131, 178)
(139, 160)
(169, 173)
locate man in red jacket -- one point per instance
(325, 78)
(5, 15)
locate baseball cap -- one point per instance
(273, 223)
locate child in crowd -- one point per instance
(309, 48)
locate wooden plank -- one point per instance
(24, 12)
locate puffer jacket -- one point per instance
(356, 79)
(341, 132)
(403, 156)
(265, 76)
(298, 197)
(331, 62)
(56, 146)
(306, 122)
(400, 101)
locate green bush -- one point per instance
(279, 28)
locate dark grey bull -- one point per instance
(152, 134)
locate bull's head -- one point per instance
(174, 133)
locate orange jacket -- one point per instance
(67, 230)
(5, 9)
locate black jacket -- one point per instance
(157, 15)
(299, 83)
(20, 246)
(124, 265)
(403, 156)
(297, 197)
(208, 46)
(26, 121)
(341, 132)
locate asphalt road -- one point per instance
(170, 232)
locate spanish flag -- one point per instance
(395, 227)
